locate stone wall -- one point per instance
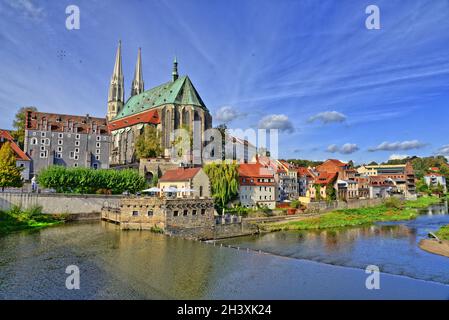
(59, 203)
(323, 206)
(237, 229)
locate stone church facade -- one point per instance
(173, 105)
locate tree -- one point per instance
(224, 182)
(19, 125)
(148, 144)
(9, 173)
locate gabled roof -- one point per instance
(6, 136)
(254, 170)
(325, 178)
(150, 116)
(179, 174)
(180, 91)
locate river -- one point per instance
(324, 264)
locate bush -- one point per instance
(393, 203)
(90, 181)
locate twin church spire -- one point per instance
(116, 96)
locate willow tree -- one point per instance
(10, 175)
(224, 182)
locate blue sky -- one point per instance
(310, 68)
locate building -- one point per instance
(172, 105)
(435, 179)
(306, 176)
(402, 175)
(288, 181)
(182, 178)
(22, 159)
(257, 187)
(67, 140)
(318, 189)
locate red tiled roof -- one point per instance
(434, 174)
(303, 171)
(150, 116)
(59, 122)
(179, 174)
(254, 170)
(325, 177)
(331, 165)
(20, 155)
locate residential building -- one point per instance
(318, 190)
(67, 140)
(288, 181)
(22, 159)
(257, 187)
(194, 181)
(435, 179)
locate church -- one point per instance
(172, 105)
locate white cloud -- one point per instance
(444, 150)
(27, 8)
(347, 148)
(395, 146)
(328, 117)
(227, 114)
(277, 121)
(398, 156)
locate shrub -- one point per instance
(393, 203)
(89, 181)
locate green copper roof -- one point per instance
(178, 92)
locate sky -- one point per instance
(311, 69)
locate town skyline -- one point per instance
(328, 100)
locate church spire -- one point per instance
(175, 70)
(138, 85)
(116, 95)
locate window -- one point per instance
(76, 157)
(34, 133)
(75, 164)
(59, 155)
(201, 191)
(135, 213)
(60, 135)
(98, 145)
(60, 142)
(42, 141)
(185, 212)
(98, 138)
(42, 148)
(59, 149)
(95, 165)
(72, 155)
(193, 212)
(97, 157)
(203, 211)
(43, 154)
(43, 134)
(34, 141)
(77, 143)
(175, 213)
(150, 213)
(78, 136)
(97, 151)
(77, 150)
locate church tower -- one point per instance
(116, 96)
(137, 85)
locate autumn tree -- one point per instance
(10, 175)
(148, 144)
(19, 125)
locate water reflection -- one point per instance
(393, 246)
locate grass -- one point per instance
(16, 219)
(391, 210)
(443, 233)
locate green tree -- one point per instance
(19, 125)
(10, 175)
(224, 182)
(148, 144)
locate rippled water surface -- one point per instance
(142, 265)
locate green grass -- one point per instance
(16, 219)
(390, 211)
(443, 233)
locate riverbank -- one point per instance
(391, 210)
(437, 247)
(15, 219)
